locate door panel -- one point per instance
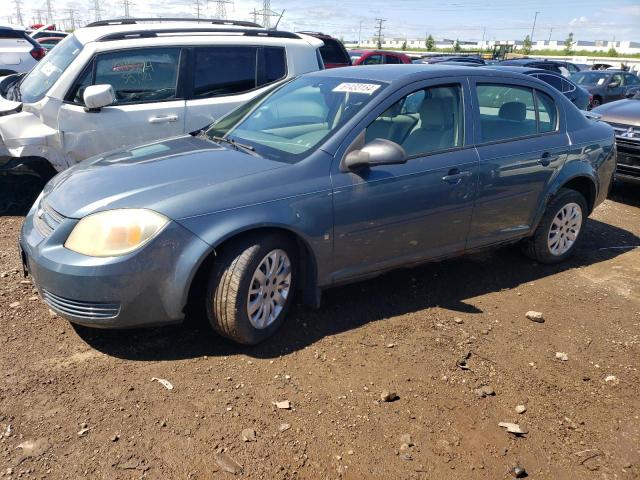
(530, 144)
(90, 133)
(402, 213)
(392, 215)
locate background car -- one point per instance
(607, 85)
(558, 66)
(49, 42)
(377, 57)
(624, 117)
(18, 51)
(333, 53)
(122, 82)
(48, 33)
(451, 59)
(579, 96)
(381, 167)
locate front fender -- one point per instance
(308, 217)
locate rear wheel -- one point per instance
(560, 230)
(251, 288)
(596, 102)
(18, 192)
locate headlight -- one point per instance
(115, 232)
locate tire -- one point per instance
(568, 210)
(596, 102)
(18, 192)
(235, 272)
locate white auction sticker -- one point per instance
(48, 69)
(366, 88)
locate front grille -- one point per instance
(626, 131)
(75, 308)
(46, 219)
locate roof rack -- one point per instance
(134, 21)
(310, 32)
(157, 31)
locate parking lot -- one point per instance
(79, 403)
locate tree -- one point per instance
(404, 45)
(568, 44)
(456, 46)
(430, 44)
(612, 52)
(526, 45)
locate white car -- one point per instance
(123, 82)
(19, 52)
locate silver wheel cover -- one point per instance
(564, 229)
(269, 289)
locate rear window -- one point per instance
(232, 70)
(332, 52)
(11, 38)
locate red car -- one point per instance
(377, 57)
(333, 53)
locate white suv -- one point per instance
(19, 52)
(122, 82)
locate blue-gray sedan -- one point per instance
(333, 177)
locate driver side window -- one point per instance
(424, 121)
(137, 76)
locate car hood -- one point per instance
(176, 177)
(625, 112)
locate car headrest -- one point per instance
(433, 113)
(514, 111)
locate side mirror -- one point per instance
(377, 152)
(614, 85)
(98, 96)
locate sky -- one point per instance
(349, 19)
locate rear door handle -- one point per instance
(546, 159)
(163, 119)
(454, 176)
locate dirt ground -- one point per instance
(80, 403)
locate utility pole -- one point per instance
(18, 4)
(266, 13)
(550, 33)
(484, 31)
(380, 27)
(38, 17)
(97, 11)
(49, 13)
(198, 9)
(126, 4)
(360, 33)
(534, 26)
(255, 14)
(221, 8)
(72, 18)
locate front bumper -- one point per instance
(145, 288)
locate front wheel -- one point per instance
(560, 230)
(251, 288)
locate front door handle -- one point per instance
(546, 159)
(455, 176)
(163, 119)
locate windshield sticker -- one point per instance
(600, 81)
(48, 69)
(365, 88)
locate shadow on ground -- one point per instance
(449, 284)
(625, 192)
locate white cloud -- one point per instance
(579, 21)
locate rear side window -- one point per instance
(332, 52)
(555, 82)
(373, 60)
(392, 59)
(232, 70)
(632, 79)
(141, 75)
(509, 112)
(506, 111)
(547, 112)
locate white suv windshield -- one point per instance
(47, 72)
(288, 124)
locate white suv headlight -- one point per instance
(115, 232)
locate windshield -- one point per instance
(294, 119)
(589, 78)
(48, 70)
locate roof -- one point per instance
(407, 72)
(115, 31)
(12, 27)
(523, 70)
(365, 50)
